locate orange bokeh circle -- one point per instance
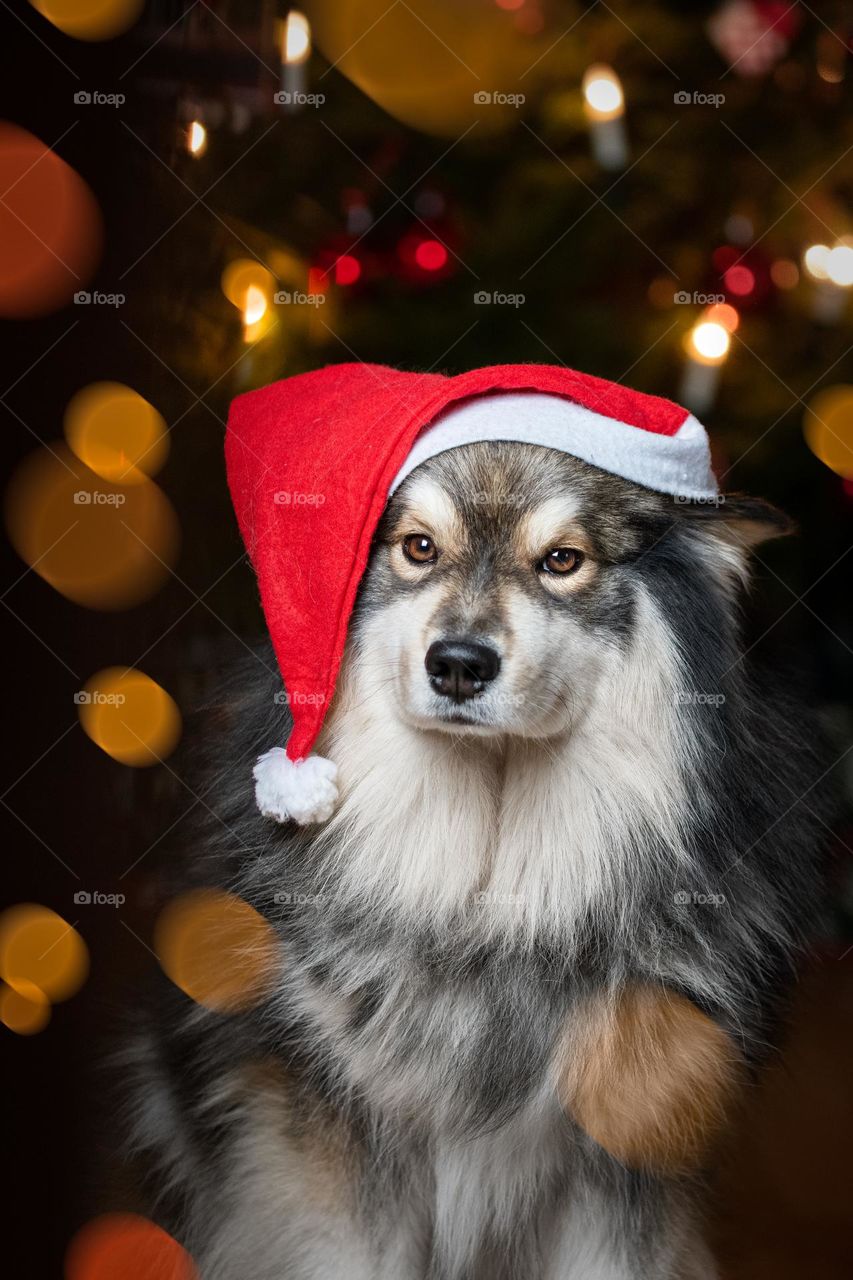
(50, 227)
(124, 1246)
(39, 949)
(101, 544)
(217, 949)
(129, 716)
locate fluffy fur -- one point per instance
(576, 897)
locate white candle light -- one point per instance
(604, 107)
(707, 345)
(295, 52)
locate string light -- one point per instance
(604, 107)
(196, 139)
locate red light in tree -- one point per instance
(431, 255)
(739, 280)
(347, 269)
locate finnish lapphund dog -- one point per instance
(544, 942)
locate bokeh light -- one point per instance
(129, 716)
(431, 255)
(217, 949)
(297, 38)
(602, 92)
(196, 138)
(784, 273)
(828, 428)
(708, 342)
(24, 1009)
(244, 274)
(839, 265)
(90, 19)
(102, 545)
(814, 261)
(50, 227)
(38, 949)
(116, 432)
(433, 64)
(124, 1246)
(347, 269)
(739, 280)
(724, 314)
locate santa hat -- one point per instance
(312, 460)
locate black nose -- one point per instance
(459, 669)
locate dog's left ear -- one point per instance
(737, 520)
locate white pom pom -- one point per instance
(304, 790)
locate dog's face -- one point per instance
(504, 586)
(500, 587)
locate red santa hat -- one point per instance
(311, 463)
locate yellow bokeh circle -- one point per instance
(217, 949)
(116, 432)
(244, 274)
(25, 1010)
(100, 544)
(828, 428)
(39, 950)
(90, 19)
(130, 716)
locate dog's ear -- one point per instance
(737, 520)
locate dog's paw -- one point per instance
(649, 1077)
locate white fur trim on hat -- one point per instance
(679, 464)
(304, 790)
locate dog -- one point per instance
(531, 961)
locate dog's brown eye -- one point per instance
(562, 560)
(419, 548)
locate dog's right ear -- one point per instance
(738, 520)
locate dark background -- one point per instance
(501, 192)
